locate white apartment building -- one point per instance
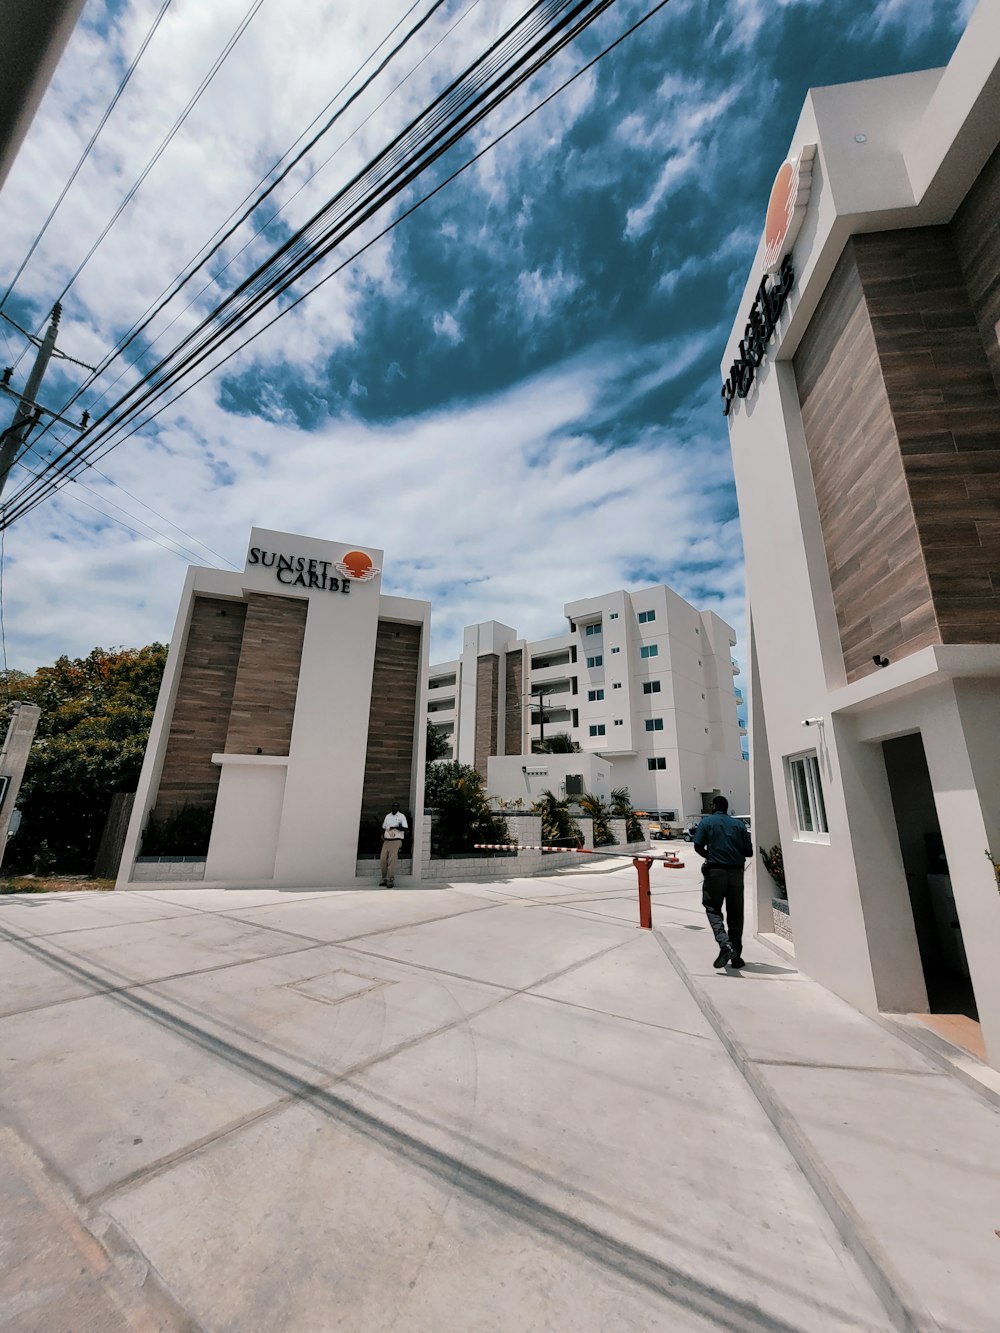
(642, 679)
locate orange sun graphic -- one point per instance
(357, 565)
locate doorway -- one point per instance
(950, 995)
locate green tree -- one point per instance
(599, 813)
(558, 824)
(463, 815)
(438, 744)
(560, 743)
(95, 718)
(622, 808)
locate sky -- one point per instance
(514, 394)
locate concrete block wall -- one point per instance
(163, 870)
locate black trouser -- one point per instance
(724, 885)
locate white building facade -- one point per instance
(642, 679)
(290, 719)
(862, 387)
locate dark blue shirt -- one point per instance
(723, 840)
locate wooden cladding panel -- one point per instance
(880, 587)
(487, 706)
(513, 695)
(976, 235)
(946, 413)
(200, 719)
(267, 678)
(389, 761)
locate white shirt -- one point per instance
(397, 820)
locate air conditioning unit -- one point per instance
(574, 784)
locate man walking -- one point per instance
(394, 828)
(725, 844)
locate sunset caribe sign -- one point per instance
(786, 210)
(300, 571)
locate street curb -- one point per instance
(905, 1310)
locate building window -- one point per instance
(592, 629)
(595, 661)
(616, 685)
(613, 615)
(652, 687)
(651, 650)
(656, 764)
(619, 722)
(645, 616)
(597, 729)
(594, 695)
(807, 789)
(654, 723)
(616, 650)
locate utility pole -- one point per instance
(540, 696)
(28, 411)
(13, 760)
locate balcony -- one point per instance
(736, 668)
(441, 683)
(441, 706)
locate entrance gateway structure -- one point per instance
(862, 388)
(292, 707)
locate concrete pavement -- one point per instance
(481, 1107)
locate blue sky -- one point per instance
(515, 395)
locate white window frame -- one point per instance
(649, 650)
(597, 729)
(616, 685)
(646, 616)
(654, 723)
(656, 763)
(595, 628)
(806, 801)
(594, 662)
(653, 687)
(595, 696)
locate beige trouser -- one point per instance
(387, 861)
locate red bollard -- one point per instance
(642, 864)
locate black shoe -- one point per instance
(382, 884)
(736, 961)
(391, 884)
(725, 954)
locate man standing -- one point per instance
(394, 828)
(725, 844)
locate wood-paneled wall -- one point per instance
(898, 383)
(487, 709)
(389, 761)
(200, 721)
(880, 586)
(267, 678)
(946, 413)
(976, 234)
(513, 726)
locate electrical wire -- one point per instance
(217, 240)
(530, 42)
(87, 150)
(27, 500)
(3, 632)
(195, 98)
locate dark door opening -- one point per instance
(939, 932)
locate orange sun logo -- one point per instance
(787, 206)
(357, 565)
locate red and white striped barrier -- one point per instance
(668, 858)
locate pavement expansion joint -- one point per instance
(902, 1305)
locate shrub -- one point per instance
(558, 824)
(463, 815)
(775, 867)
(599, 813)
(185, 832)
(621, 808)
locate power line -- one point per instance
(312, 254)
(86, 152)
(216, 241)
(196, 96)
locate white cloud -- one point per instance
(545, 514)
(542, 292)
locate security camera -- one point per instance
(812, 721)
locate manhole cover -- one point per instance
(333, 987)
